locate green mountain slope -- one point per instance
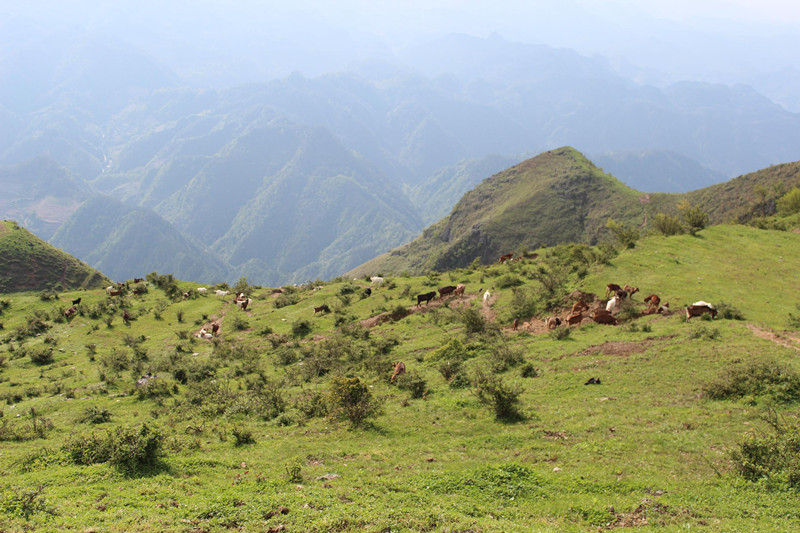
(561, 197)
(556, 197)
(27, 263)
(127, 242)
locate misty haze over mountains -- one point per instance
(286, 144)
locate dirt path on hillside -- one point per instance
(782, 340)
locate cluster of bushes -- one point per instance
(772, 456)
(130, 449)
(765, 379)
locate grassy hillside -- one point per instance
(246, 443)
(559, 197)
(27, 263)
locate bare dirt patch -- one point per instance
(781, 340)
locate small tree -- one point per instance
(789, 203)
(667, 225)
(351, 399)
(626, 236)
(694, 217)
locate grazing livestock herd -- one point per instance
(604, 312)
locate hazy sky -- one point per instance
(706, 40)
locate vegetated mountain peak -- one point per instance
(561, 197)
(558, 196)
(28, 263)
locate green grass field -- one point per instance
(247, 448)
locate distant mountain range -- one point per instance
(303, 178)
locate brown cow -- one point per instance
(505, 257)
(444, 291)
(399, 368)
(114, 293)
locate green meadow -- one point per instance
(265, 427)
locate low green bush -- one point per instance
(768, 379)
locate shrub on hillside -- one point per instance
(351, 399)
(789, 203)
(508, 281)
(41, 355)
(413, 383)
(728, 312)
(625, 235)
(560, 333)
(130, 449)
(286, 299)
(473, 321)
(695, 218)
(24, 502)
(773, 456)
(301, 328)
(501, 397)
(767, 379)
(667, 225)
(95, 415)
(453, 350)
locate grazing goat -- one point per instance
(652, 301)
(612, 304)
(322, 309)
(376, 280)
(505, 257)
(515, 324)
(76, 302)
(486, 296)
(69, 313)
(399, 368)
(612, 288)
(630, 290)
(222, 294)
(202, 290)
(368, 291)
(697, 310)
(553, 322)
(126, 317)
(444, 291)
(138, 280)
(215, 328)
(574, 319)
(242, 304)
(427, 297)
(579, 306)
(460, 288)
(114, 293)
(604, 317)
